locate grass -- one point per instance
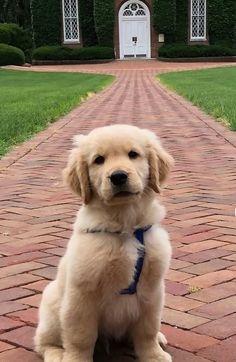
(213, 90)
(29, 101)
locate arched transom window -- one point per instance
(134, 9)
(70, 21)
(198, 19)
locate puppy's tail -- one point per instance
(53, 354)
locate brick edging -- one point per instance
(229, 136)
(68, 62)
(199, 59)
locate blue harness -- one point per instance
(139, 234)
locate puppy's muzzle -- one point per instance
(119, 178)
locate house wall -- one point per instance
(154, 44)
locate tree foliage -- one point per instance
(15, 11)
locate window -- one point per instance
(70, 21)
(198, 20)
(134, 9)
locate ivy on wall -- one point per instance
(164, 17)
(104, 18)
(172, 18)
(47, 22)
(97, 18)
(182, 22)
(222, 21)
(87, 26)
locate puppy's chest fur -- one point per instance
(118, 308)
(130, 251)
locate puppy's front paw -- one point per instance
(164, 357)
(74, 357)
(160, 356)
(162, 340)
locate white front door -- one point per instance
(134, 30)
(135, 39)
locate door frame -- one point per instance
(121, 20)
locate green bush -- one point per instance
(12, 34)
(91, 53)
(54, 52)
(193, 51)
(5, 35)
(10, 55)
(66, 53)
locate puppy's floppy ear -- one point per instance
(160, 163)
(76, 173)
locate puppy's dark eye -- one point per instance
(99, 160)
(133, 155)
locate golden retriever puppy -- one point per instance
(111, 280)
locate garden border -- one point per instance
(199, 59)
(66, 62)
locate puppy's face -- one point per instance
(117, 164)
(118, 168)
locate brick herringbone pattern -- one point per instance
(37, 213)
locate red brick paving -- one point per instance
(37, 213)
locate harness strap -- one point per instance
(139, 235)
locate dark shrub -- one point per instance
(193, 51)
(13, 34)
(10, 55)
(54, 52)
(93, 53)
(66, 53)
(218, 51)
(5, 35)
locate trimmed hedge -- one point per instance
(12, 34)
(47, 22)
(194, 51)
(10, 55)
(164, 16)
(104, 17)
(66, 53)
(54, 52)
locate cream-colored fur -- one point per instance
(84, 300)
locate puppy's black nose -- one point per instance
(119, 177)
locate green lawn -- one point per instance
(213, 90)
(29, 101)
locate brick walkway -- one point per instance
(37, 213)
